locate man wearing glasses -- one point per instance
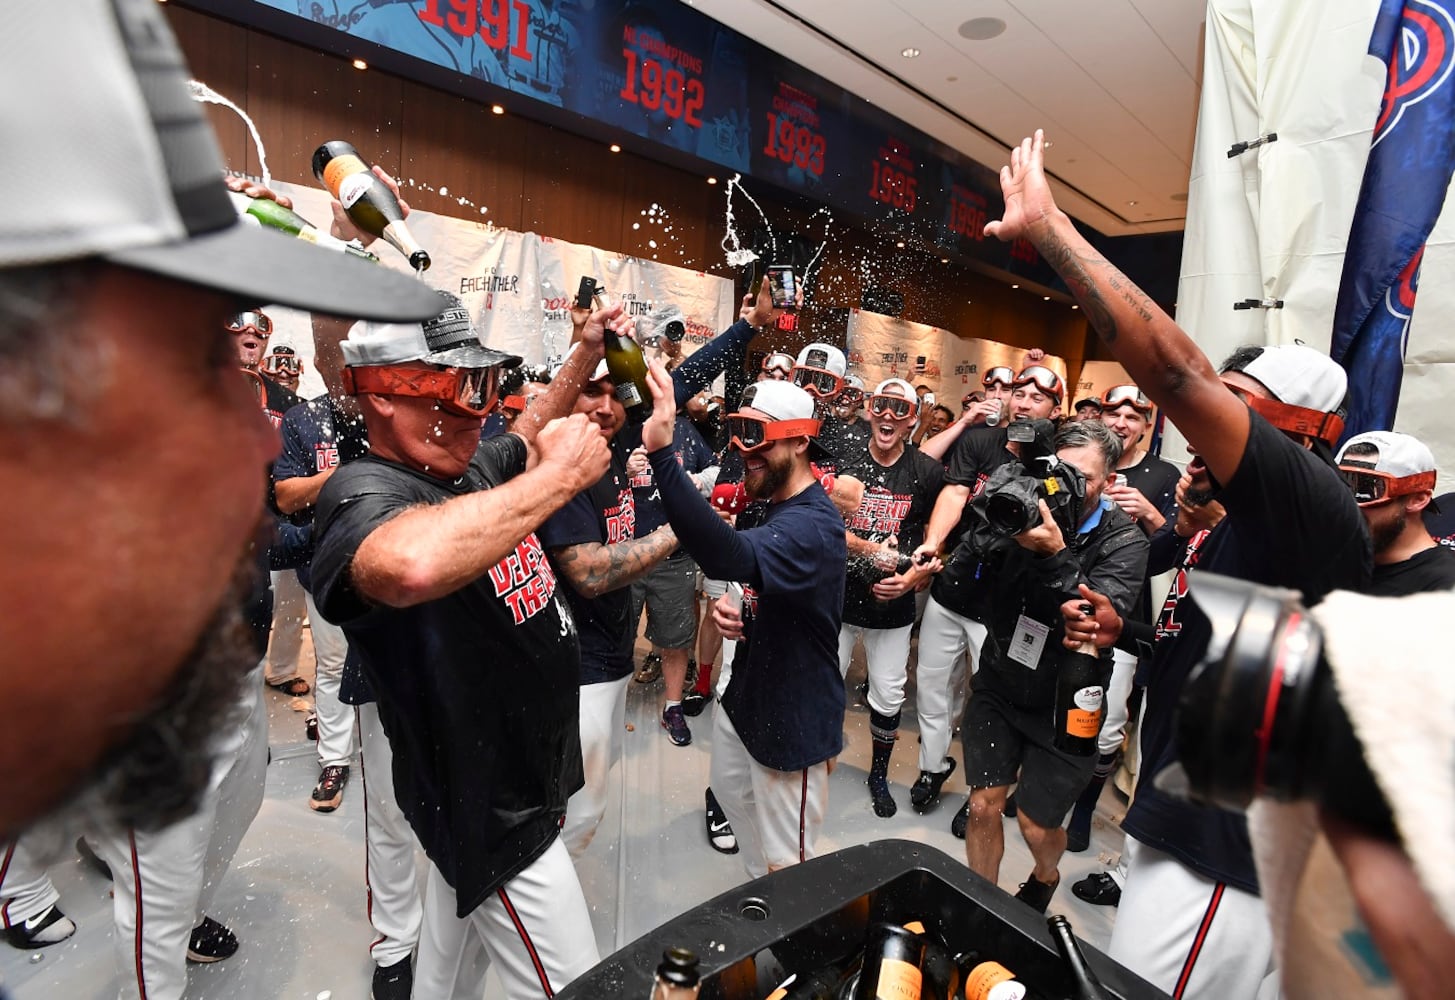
(427, 555)
(782, 717)
(900, 487)
(959, 596)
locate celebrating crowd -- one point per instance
(475, 549)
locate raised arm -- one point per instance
(1156, 353)
(698, 371)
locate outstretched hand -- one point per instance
(657, 431)
(1028, 198)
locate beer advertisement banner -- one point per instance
(519, 286)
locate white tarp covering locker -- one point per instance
(1272, 223)
(519, 286)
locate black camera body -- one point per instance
(1010, 502)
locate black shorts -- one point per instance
(1002, 741)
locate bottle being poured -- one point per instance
(368, 201)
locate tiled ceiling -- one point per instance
(1115, 84)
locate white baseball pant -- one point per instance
(603, 717)
(535, 930)
(26, 889)
(776, 815)
(886, 651)
(1118, 690)
(335, 719)
(1192, 937)
(390, 881)
(286, 638)
(164, 882)
(944, 639)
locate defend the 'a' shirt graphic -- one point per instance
(621, 520)
(524, 579)
(881, 512)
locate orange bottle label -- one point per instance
(984, 978)
(339, 168)
(915, 927)
(898, 980)
(778, 994)
(1082, 723)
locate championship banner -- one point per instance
(880, 347)
(519, 287)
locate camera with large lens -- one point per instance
(1010, 503)
(1260, 715)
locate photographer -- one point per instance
(1009, 726)
(1261, 430)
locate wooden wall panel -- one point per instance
(536, 178)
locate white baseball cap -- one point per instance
(784, 401)
(1300, 376)
(905, 389)
(824, 357)
(1396, 454)
(109, 156)
(448, 338)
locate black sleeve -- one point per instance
(1137, 637)
(1167, 549)
(501, 458)
(354, 502)
(716, 547)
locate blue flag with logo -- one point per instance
(1410, 162)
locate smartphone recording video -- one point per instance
(782, 286)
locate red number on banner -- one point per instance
(652, 86)
(462, 20)
(431, 13)
(893, 187)
(695, 98)
(967, 220)
(816, 155)
(520, 50)
(794, 144)
(495, 22)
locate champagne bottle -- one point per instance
(1088, 987)
(893, 957)
(822, 984)
(1080, 699)
(941, 969)
(993, 981)
(629, 373)
(266, 212)
(677, 976)
(368, 201)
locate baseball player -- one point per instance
(29, 914)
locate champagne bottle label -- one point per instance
(1085, 719)
(354, 187)
(627, 394)
(341, 167)
(898, 980)
(992, 981)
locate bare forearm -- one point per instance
(861, 546)
(948, 508)
(299, 492)
(433, 550)
(595, 569)
(560, 398)
(936, 446)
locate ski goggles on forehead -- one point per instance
(817, 381)
(780, 364)
(282, 364)
(749, 433)
(238, 322)
(1121, 395)
(1370, 487)
(999, 375)
(1042, 378)
(850, 395)
(894, 406)
(466, 392)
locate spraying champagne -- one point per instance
(368, 201)
(266, 212)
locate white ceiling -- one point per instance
(1115, 84)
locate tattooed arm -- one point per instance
(595, 569)
(1158, 355)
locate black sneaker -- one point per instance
(393, 982)
(694, 702)
(925, 792)
(884, 804)
(1036, 894)
(676, 725)
(211, 942)
(1098, 889)
(651, 669)
(961, 820)
(329, 791)
(1078, 836)
(719, 830)
(50, 926)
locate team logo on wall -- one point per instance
(1420, 64)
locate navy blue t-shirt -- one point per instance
(605, 514)
(1291, 522)
(316, 438)
(898, 499)
(693, 455)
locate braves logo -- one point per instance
(750, 603)
(1399, 298)
(1419, 61)
(1167, 623)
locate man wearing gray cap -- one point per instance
(427, 556)
(121, 256)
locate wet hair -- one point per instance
(1079, 433)
(1241, 358)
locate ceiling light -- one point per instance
(712, 180)
(1075, 306)
(497, 109)
(909, 53)
(1045, 298)
(978, 29)
(1015, 286)
(614, 148)
(360, 64)
(1047, 144)
(944, 260)
(900, 244)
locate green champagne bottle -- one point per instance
(368, 201)
(628, 369)
(266, 212)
